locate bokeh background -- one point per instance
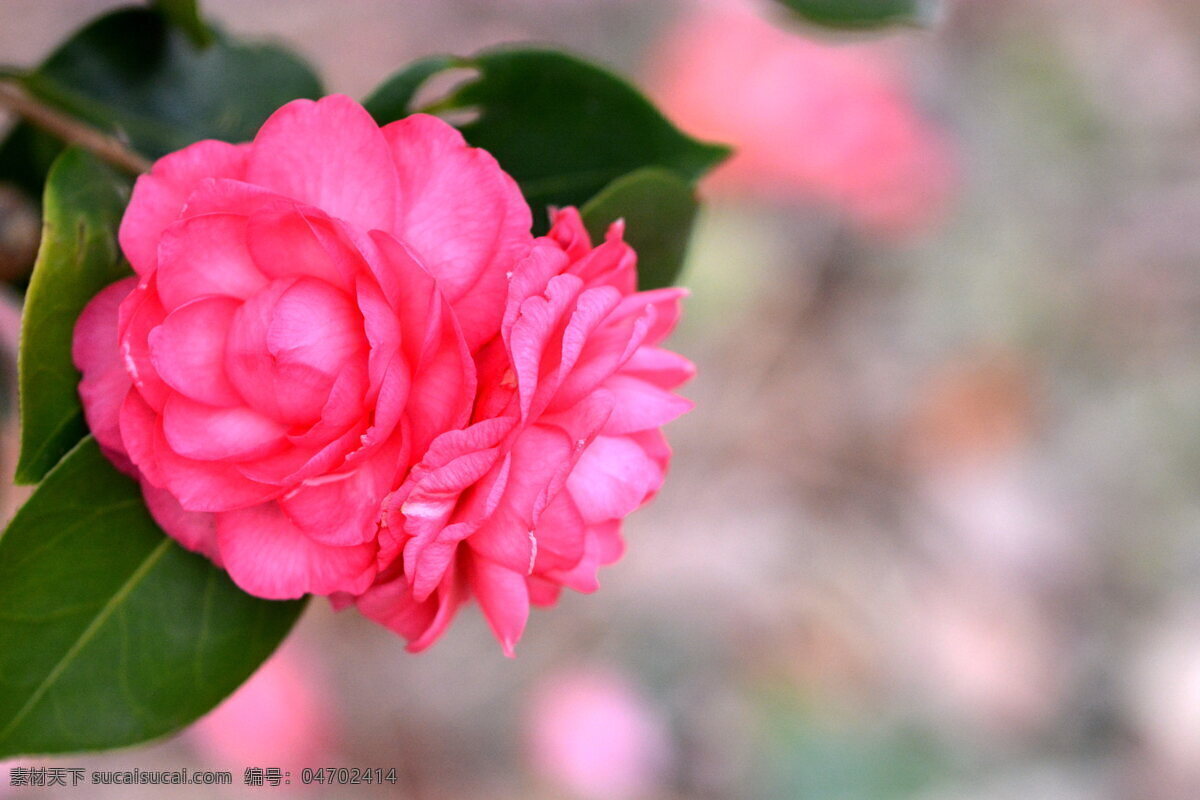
(933, 528)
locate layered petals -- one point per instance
(462, 214)
(529, 499)
(285, 353)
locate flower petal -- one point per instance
(640, 405)
(207, 433)
(541, 457)
(206, 255)
(195, 530)
(331, 155)
(612, 478)
(504, 598)
(289, 242)
(464, 216)
(188, 350)
(160, 195)
(96, 354)
(392, 605)
(268, 556)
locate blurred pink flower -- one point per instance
(592, 735)
(1162, 697)
(281, 717)
(814, 121)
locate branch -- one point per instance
(70, 129)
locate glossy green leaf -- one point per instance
(659, 208)
(111, 633)
(78, 257)
(185, 15)
(863, 13)
(134, 74)
(392, 99)
(565, 128)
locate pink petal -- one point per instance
(613, 263)
(195, 530)
(140, 313)
(188, 350)
(605, 350)
(666, 304)
(96, 353)
(437, 557)
(603, 545)
(331, 155)
(612, 478)
(641, 405)
(450, 595)
(542, 592)
(339, 510)
(541, 457)
(421, 622)
(301, 462)
(442, 372)
(315, 324)
(345, 509)
(660, 367)
(139, 427)
(568, 231)
(504, 599)
(159, 196)
(203, 485)
(288, 242)
(269, 557)
(531, 340)
(207, 433)
(463, 215)
(530, 277)
(580, 343)
(382, 328)
(560, 535)
(427, 509)
(225, 196)
(206, 255)
(290, 392)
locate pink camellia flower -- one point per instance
(299, 330)
(565, 441)
(592, 734)
(832, 122)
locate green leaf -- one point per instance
(78, 257)
(111, 633)
(854, 14)
(135, 75)
(186, 16)
(658, 207)
(564, 128)
(392, 99)
(26, 156)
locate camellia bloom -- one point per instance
(345, 367)
(299, 330)
(565, 442)
(832, 123)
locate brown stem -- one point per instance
(71, 130)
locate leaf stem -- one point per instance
(70, 129)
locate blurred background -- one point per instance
(931, 531)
